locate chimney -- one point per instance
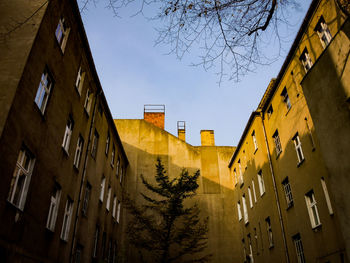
(154, 113)
(207, 138)
(181, 130)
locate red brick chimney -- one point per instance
(155, 114)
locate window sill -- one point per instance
(317, 228)
(256, 150)
(86, 113)
(271, 246)
(18, 209)
(261, 195)
(42, 114)
(65, 151)
(290, 206)
(76, 169)
(300, 163)
(288, 110)
(77, 90)
(278, 154)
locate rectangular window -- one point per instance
(118, 211)
(62, 32)
(254, 141)
(286, 99)
(239, 211)
(78, 151)
(86, 199)
(67, 219)
(244, 251)
(269, 231)
(245, 211)
(261, 183)
(305, 59)
(121, 173)
(256, 240)
(269, 112)
(94, 144)
(107, 145)
(114, 206)
(102, 189)
(254, 193)
(323, 32)
(326, 195)
(288, 192)
(240, 179)
(108, 203)
(299, 248)
(113, 155)
(21, 178)
(88, 101)
(118, 166)
(276, 140)
(311, 205)
(43, 92)
(250, 197)
(298, 148)
(54, 204)
(250, 249)
(97, 233)
(235, 175)
(80, 80)
(68, 134)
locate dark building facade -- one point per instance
(62, 162)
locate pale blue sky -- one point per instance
(134, 72)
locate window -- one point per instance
(88, 101)
(323, 32)
(245, 211)
(97, 232)
(254, 141)
(326, 195)
(276, 139)
(43, 92)
(94, 144)
(269, 112)
(107, 146)
(102, 190)
(114, 206)
(298, 148)
(108, 203)
(118, 166)
(118, 211)
(250, 249)
(305, 59)
(61, 33)
(55, 202)
(244, 251)
(250, 197)
(286, 99)
(21, 178)
(67, 134)
(254, 193)
(269, 231)
(256, 240)
(78, 151)
(121, 174)
(113, 154)
(67, 219)
(235, 175)
(240, 173)
(86, 199)
(239, 210)
(288, 192)
(299, 248)
(261, 183)
(80, 80)
(311, 205)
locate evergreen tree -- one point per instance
(163, 229)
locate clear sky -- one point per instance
(133, 72)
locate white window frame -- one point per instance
(235, 175)
(67, 217)
(250, 249)
(323, 32)
(311, 205)
(80, 80)
(299, 248)
(298, 149)
(107, 146)
(277, 141)
(102, 189)
(286, 98)
(306, 60)
(78, 151)
(86, 200)
(53, 209)
(250, 197)
(113, 156)
(254, 193)
(114, 206)
(67, 134)
(326, 195)
(269, 232)
(108, 202)
(118, 211)
(88, 101)
(44, 90)
(239, 211)
(261, 183)
(117, 168)
(61, 33)
(240, 179)
(245, 210)
(288, 192)
(254, 141)
(23, 173)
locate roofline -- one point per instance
(90, 59)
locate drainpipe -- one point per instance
(83, 179)
(275, 188)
